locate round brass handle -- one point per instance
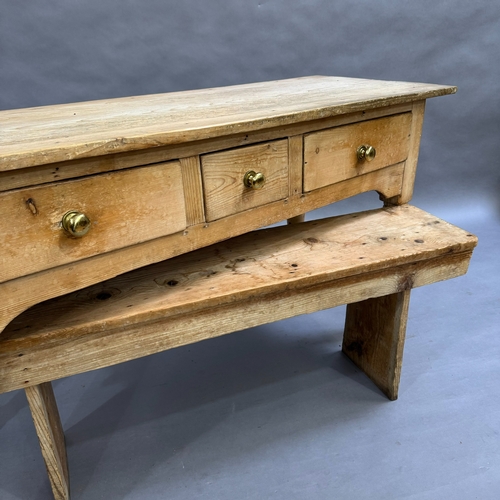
(254, 180)
(75, 223)
(366, 152)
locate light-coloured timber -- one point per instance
(48, 134)
(414, 148)
(257, 278)
(223, 174)
(42, 174)
(125, 208)
(193, 190)
(48, 427)
(64, 279)
(162, 175)
(374, 338)
(295, 164)
(330, 155)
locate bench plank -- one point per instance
(254, 279)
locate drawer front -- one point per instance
(224, 173)
(330, 156)
(124, 208)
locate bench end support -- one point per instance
(374, 338)
(48, 427)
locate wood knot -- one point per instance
(406, 283)
(355, 346)
(101, 295)
(311, 241)
(30, 203)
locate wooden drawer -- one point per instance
(330, 156)
(125, 208)
(223, 174)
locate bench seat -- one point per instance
(254, 279)
(368, 260)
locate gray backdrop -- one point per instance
(62, 51)
(276, 411)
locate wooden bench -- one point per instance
(369, 260)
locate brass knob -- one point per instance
(254, 180)
(366, 152)
(75, 223)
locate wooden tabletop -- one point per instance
(47, 134)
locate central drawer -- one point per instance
(125, 207)
(224, 186)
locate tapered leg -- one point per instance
(374, 338)
(50, 434)
(297, 219)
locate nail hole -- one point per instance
(383, 238)
(419, 241)
(295, 265)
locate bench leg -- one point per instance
(374, 338)
(45, 415)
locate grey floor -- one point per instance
(278, 412)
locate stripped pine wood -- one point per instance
(38, 136)
(193, 190)
(297, 219)
(108, 347)
(223, 174)
(66, 278)
(330, 155)
(255, 279)
(374, 338)
(48, 427)
(108, 160)
(295, 163)
(121, 215)
(41, 174)
(411, 161)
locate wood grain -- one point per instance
(411, 161)
(295, 164)
(38, 136)
(41, 174)
(223, 174)
(125, 208)
(193, 190)
(374, 338)
(330, 155)
(79, 354)
(63, 279)
(259, 277)
(48, 427)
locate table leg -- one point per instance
(45, 415)
(374, 338)
(297, 219)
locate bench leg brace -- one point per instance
(48, 427)
(374, 337)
